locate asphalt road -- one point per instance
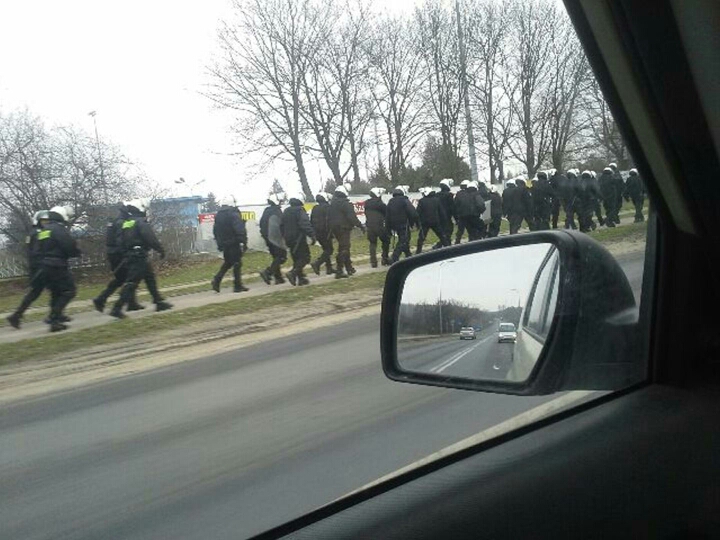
(230, 445)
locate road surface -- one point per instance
(230, 445)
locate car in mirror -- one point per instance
(546, 309)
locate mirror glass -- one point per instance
(483, 316)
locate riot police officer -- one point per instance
(115, 256)
(375, 211)
(634, 191)
(342, 220)
(460, 227)
(35, 268)
(56, 247)
(319, 222)
(608, 191)
(296, 229)
(542, 198)
(431, 216)
(137, 239)
(400, 218)
(271, 233)
(447, 199)
(231, 238)
(469, 206)
(496, 212)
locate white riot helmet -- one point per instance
(510, 182)
(447, 182)
(551, 172)
(40, 215)
(399, 190)
(613, 166)
(342, 189)
(633, 171)
(348, 187)
(425, 191)
(464, 183)
(405, 188)
(492, 188)
(61, 212)
(473, 184)
(141, 205)
(607, 170)
(377, 191)
(298, 196)
(587, 174)
(227, 200)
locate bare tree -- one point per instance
(267, 48)
(42, 167)
(445, 84)
(569, 81)
(336, 103)
(396, 84)
(603, 131)
(488, 24)
(529, 64)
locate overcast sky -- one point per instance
(486, 280)
(141, 65)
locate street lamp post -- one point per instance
(442, 263)
(100, 160)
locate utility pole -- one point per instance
(100, 161)
(466, 95)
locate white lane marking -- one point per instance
(523, 419)
(459, 356)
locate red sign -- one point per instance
(206, 218)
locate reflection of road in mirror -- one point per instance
(463, 317)
(482, 358)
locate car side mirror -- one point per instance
(527, 314)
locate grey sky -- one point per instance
(141, 66)
(487, 280)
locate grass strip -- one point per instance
(31, 349)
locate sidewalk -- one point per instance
(91, 319)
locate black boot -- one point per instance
(279, 280)
(316, 267)
(134, 306)
(116, 312)
(292, 277)
(240, 288)
(99, 304)
(215, 284)
(162, 305)
(265, 275)
(302, 280)
(340, 274)
(329, 270)
(57, 326)
(14, 320)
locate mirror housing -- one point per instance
(592, 343)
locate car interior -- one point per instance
(639, 461)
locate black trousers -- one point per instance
(638, 204)
(373, 236)
(119, 270)
(515, 222)
(138, 269)
(35, 289)
(325, 257)
(279, 256)
(474, 226)
(300, 253)
(611, 210)
(343, 260)
(494, 228)
(403, 244)
(460, 231)
(569, 206)
(59, 281)
(232, 255)
(439, 232)
(556, 205)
